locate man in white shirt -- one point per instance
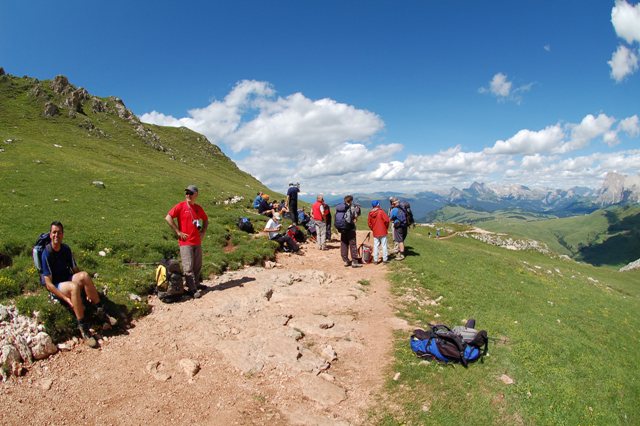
(273, 228)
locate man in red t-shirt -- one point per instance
(191, 228)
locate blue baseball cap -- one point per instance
(375, 203)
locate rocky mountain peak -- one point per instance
(612, 190)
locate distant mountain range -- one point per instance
(616, 189)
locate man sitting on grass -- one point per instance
(64, 280)
(273, 229)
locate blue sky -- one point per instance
(362, 96)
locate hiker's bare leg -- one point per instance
(73, 291)
(84, 282)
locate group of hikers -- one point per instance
(188, 220)
(319, 224)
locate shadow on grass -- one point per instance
(408, 251)
(618, 249)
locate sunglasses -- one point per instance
(188, 193)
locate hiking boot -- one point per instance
(356, 265)
(347, 264)
(197, 294)
(399, 256)
(101, 315)
(87, 337)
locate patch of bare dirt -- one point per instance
(306, 341)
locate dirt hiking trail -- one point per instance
(304, 341)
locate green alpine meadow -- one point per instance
(110, 180)
(564, 337)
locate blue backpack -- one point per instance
(244, 224)
(41, 243)
(446, 345)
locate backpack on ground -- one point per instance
(38, 248)
(462, 344)
(296, 233)
(244, 224)
(169, 281)
(406, 208)
(365, 251)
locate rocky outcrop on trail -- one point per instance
(22, 340)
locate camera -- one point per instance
(197, 223)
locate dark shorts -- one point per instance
(400, 234)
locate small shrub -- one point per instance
(59, 322)
(8, 287)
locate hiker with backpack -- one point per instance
(378, 222)
(190, 230)
(319, 213)
(67, 282)
(292, 201)
(400, 226)
(346, 216)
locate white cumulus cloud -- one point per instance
(530, 142)
(626, 21)
(334, 147)
(503, 89)
(631, 126)
(623, 63)
(287, 138)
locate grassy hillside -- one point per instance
(568, 335)
(605, 237)
(48, 166)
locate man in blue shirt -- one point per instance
(64, 280)
(400, 226)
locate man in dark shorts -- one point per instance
(400, 226)
(67, 282)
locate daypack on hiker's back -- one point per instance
(244, 224)
(38, 249)
(345, 216)
(406, 208)
(169, 281)
(405, 215)
(339, 220)
(446, 345)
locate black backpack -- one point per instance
(244, 224)
(406, 208)
(338, 221)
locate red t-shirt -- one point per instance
(186, 215)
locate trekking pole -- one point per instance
(140, 263)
